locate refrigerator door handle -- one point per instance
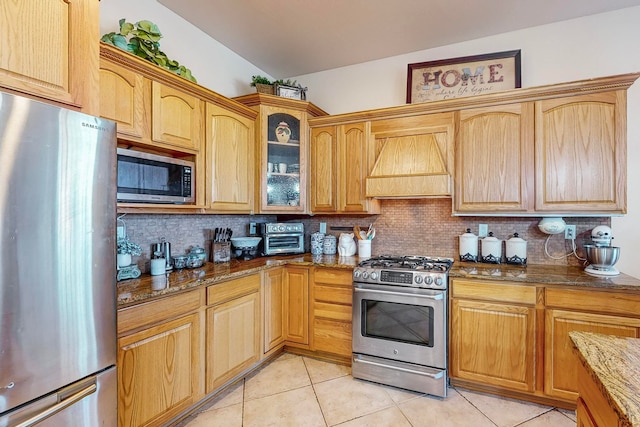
(74, 398)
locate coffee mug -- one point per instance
(269, 167)
(282, 167)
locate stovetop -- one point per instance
(389, 262)
(408, 271)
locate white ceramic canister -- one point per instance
(516, 250)
(491, 249)
(329, 246)
(468, 246)
(317, 242)
(158, 264)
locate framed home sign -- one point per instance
(465, 76)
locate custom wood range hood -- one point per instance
(412, 160)
(409, 166)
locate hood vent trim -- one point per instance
(410, 166)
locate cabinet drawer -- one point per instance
(155, 311)
(332, 311)
(487, 291)
(596, 301)
(332, 336)
(235, 288)
(333, 276)
(333, 294)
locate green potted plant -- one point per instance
(262, 84)
(142, 39)
(125, 250)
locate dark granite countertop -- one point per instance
(135, 291)
(614, 364)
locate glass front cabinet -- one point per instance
(283, 152)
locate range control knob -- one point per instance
(428, 280)
(374, 275)
(281, 228)
(439, 281)
(357, 274)
(418, 279)
(365, 275)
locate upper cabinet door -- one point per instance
(323, 173)
(176, 117)
(230, 164)
(50, 50)
(124, 98)
(354, 161)
(581, 153)
(494, 159)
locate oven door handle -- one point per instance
(436, 297)
(400, 368)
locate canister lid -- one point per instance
(490, 238)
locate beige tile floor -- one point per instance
(300, 391)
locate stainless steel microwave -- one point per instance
(149, 178)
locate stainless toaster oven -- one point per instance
(282, 237)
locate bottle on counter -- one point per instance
(158, 264)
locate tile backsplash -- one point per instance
(404, 227)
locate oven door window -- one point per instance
(392, 321)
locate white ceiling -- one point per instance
(287, 38)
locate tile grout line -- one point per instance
(313, 387)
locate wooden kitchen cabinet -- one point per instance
(233, 329)
(50, 50)
(340, 159)
(492, 334)
(176, 117)
(159, 350)
(606, 312)
(286, 308)
(296, 306)
(581, 154)
(331, 296)
(560, 155)
(494, 159)
(125, 97)
(283, 189)
(273, 293)
(230, 147)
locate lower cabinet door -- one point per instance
(561, 363)
(158, 372)
(493, 344)
(233, 339)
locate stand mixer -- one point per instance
(601, 255)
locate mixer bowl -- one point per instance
(603, 257)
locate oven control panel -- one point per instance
(422, 279)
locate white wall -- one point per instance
(214, 66)
(595, 46)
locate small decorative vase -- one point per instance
(283, 133)
(124, 260)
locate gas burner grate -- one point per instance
(409, 262)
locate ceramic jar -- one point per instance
(468, 246)
(516, 250)
(283, 133)
(491, 249)
(329, 246)
(158, 264)
(317, 243)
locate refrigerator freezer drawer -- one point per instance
(90, 402)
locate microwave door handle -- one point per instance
(436, 297)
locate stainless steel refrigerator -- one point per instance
(57, 266)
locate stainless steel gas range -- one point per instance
(400, 322)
